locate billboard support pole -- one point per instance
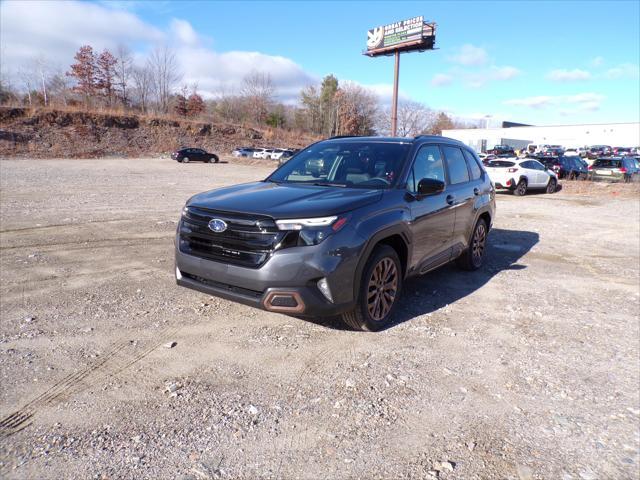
(394, 101)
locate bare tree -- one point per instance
(142, 85)
(59, 87)
(41, 66)
(257, 90)
(27, 81)
(165, 75)
(413, 118)
(123, 70)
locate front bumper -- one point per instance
(294, 271)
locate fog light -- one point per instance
(178, 274)
(323, 286)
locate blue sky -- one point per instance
(544, 62)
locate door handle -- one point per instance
(451, 199)
(476, 191)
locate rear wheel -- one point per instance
(185, 160)
(551, 186)
(380, 289)
(473, 257)
(521, 188)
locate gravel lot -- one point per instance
(526, 369)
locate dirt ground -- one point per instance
(526, 369)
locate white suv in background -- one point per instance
(520, 175)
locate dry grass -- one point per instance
(602, 188)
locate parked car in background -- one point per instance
(621, 151)
(571, 152)
(259, 153)
(521, 174)
(614, 169)
(564, 166)
(286, 155)
(552, 151)
(502, 150)
(582, 151)
(186, 155)
(242, 152)
(596, 151)
(280, 152)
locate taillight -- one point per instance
(623, 170)
(590, 167)
(512, 170)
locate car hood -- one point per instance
(285, 200)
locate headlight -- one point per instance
(311, 231)
(300, 223)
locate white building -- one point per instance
(612, 134)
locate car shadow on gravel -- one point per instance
(446, 285)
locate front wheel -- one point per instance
(380, 289)
(551, 186)
(185, 160)
(473, 257)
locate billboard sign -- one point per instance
(406, 35)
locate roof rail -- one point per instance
(344, 136)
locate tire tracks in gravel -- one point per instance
(345, 350)
(115, 361)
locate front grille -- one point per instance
(248, 240)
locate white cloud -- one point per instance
(579, 102)
(184, 32)
(532, 102)
(479, 79)
(504, 73)
(625, 70)
(574, 75)
(441, 80)
(57, 29)
(470, 55)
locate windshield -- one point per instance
(345, 164)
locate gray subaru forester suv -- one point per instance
(339, 239)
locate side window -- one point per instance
(528, 164)
(458, 172)
(428, 164)
(476, 173)
(537, 166)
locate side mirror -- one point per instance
(430, 186)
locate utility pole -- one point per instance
(394, 101)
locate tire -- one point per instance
(372, 312)
(185, 160)
(473, 257)
(215, 159)
(552, 185)
(521, 188)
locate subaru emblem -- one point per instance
(217, 225)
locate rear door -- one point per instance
(463, 190)
(432, 217)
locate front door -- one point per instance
(433, 216)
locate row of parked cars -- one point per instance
(520, 173)
(590, 153)
(280, 154)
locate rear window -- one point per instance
(606, 163)
(501, 164)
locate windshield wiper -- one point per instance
(329, 184)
